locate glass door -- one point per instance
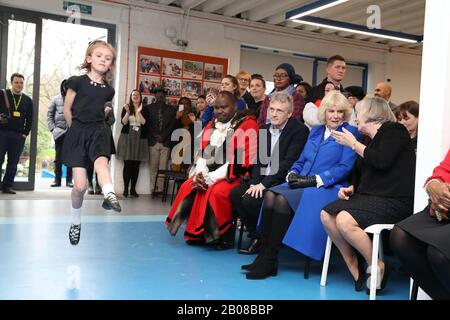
(20, 50)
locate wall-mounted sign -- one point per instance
(82, 8)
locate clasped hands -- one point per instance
(296, 181)
(199, 182)
(439, 193)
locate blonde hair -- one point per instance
(243, 74)
(375, 109)
(334, 98)
(108, 76)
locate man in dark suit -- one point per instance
(280, 144)
(160, 122)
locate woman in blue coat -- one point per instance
(292, 210)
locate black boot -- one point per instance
(255, 262)
(266, 222)
(56, 183)
(268, 264)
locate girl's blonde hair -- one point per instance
(334, 98)
(108, 76)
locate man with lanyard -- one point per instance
(16, 118)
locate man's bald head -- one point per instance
(383, 90)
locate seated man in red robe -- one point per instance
(228, 150)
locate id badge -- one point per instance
(16, 114)
(136, 128)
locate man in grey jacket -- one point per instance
(58, 127)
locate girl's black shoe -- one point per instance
(74, 234)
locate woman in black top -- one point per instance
(384, 193)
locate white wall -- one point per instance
(404, 71)
(265, 64)
(209, 36)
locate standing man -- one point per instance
(160, 124)
(16, 118)
(58, 127)
(384, 90)
(336, 67)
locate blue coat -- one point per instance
(333, 163)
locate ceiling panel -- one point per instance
(405, 16)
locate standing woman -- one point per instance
(408, 115)
(257, 90)
(244, 78)
(284, 79)
(229, 83)
(132, 147)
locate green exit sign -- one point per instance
(82, 8)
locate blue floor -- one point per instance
(134, 257)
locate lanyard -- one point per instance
(16, 104)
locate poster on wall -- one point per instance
(192, 69)
(192, 89)
(148, 84)
(150, 64)
(171, 67)
(214, 72)
(181, 74)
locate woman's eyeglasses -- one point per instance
(280, 76)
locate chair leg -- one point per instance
(241, 233)
(156, 184)
(414, 290)
(165, 188)
(176, 187)
(307, 266)
(373, 269)
(326, 261)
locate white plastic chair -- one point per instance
(377, 250)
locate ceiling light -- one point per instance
(354, 28)
(312, 8)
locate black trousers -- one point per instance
(246, 207)
(11, 143)
(58, 160)
(130, 173)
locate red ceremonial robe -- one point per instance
(241, 151)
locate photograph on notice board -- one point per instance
(192, 89)
(172, 86)
(172, 67)
(213, 72)
(150, 64)
(172, 101)
(211, 87)
(192, 69)
(148, 84)
(147, 99)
